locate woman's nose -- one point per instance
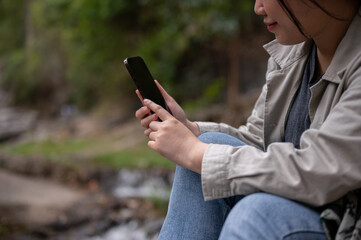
(259, 8)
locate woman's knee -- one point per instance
(220, 138)
(247, 219)
(266, 216)
(254, 209)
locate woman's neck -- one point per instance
(329, 39)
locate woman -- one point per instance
(298, 157)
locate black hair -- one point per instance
(292, 16)
(298, 24)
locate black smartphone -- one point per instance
(144, 81)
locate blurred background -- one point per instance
(73, 159)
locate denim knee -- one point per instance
(266, 216)
(220, 138)
(247, 219)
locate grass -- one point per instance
(64, 151)
(46, 148)
(55, 151)
(138, 157)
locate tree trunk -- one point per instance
(28, 29)
(233, 81)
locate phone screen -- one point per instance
(144, 81)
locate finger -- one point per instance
(155, 125)
(164, 93)
(147, 132)
(139, 95)
(147, 120)
(151, 145)
(160, 111)
(142, 112)
(152, 136)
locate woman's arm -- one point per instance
(326, 167)
(251, 133)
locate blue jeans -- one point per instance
(256, 216)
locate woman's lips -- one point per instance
(271, 26)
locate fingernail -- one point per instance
(146, 101)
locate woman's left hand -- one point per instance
(174, 141)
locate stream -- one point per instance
(125, 204)
(138, 184)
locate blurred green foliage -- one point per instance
(56, 52)
(65, 151)
(140, 157)
(48, 148)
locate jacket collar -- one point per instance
(286, 55)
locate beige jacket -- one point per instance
(328, 163)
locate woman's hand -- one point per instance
(173, 140)
(143, 114)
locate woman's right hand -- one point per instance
(145, 116)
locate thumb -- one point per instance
(160, 111)
(164, 93)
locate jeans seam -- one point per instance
(303, 231)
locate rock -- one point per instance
(32, 206)
(14, 122)
(33, 201)
(5, 98)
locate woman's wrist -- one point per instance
(196, 156)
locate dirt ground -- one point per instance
(34, 201)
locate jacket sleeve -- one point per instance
(251, 133)
(325, 168)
